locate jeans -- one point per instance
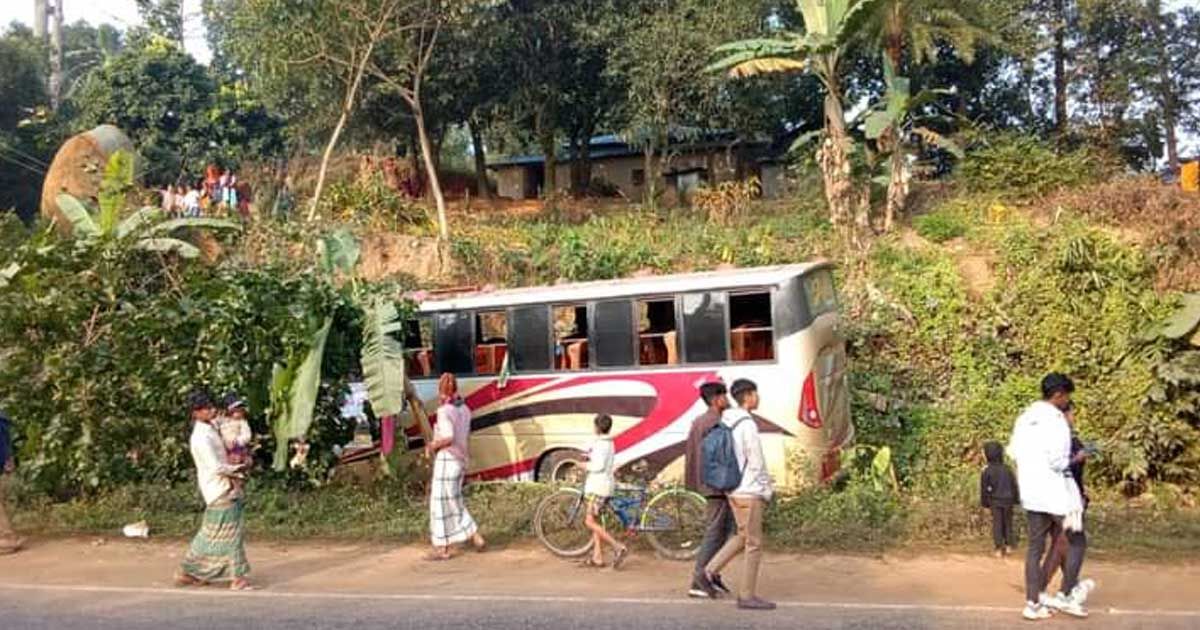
(1002, 522)
(720, 526)
(748, 512)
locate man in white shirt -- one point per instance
(749, 499)
(1041, 446)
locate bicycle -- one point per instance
(672, 519)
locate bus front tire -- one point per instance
(563, 466)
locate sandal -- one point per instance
(433, 556)
(589, 563)
(240, 584)
(479, 546)
(619, 557)
(183, 580)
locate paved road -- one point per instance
(127, 608)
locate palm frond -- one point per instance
(82, 223)
(382, 358)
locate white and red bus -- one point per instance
(537, 364)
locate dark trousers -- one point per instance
(1002, 526)
(720, 526)
(1044, 526)
(1066, 554)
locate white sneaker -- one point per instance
(1083, 590)
(1067, 604)
(1035, 612)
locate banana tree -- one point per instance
(915, 27)
(830, 28)
(890, 125)
(142, 230)
(296, 383)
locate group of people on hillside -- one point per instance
(218, 192)
(1049, 487)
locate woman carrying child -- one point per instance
(597, 489)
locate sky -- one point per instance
(119, 13)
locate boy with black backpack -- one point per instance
(734, 462)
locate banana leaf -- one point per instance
(168, 246)
(302, 396)
(382, 358)
(82, 223)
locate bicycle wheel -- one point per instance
(674, 524)
(558, 523)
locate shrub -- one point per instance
(1024, 166)
(941, 226)
(726, 201)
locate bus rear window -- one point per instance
(820, 294)
(491, 341)
(751, 334)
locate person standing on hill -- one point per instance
(1041, 446)
(998, 492)
(9, 541)
(720, 524)
(748, 500)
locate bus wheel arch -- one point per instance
(562, 465)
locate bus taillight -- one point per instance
(809, 413)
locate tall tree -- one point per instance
(830, 28)
(56, 54)
(908, 32)
(164, 18)
(1174, 77)
(668, 93)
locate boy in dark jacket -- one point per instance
(998, 491)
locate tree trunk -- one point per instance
(435, 183)
(1060, 69)
(898, 180)
(40, 20)
(650, 181)
(550, 169)
(481, 176)
(845, 203)
(56, 56)
(1167, 93)
(325, 157)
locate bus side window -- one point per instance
(613, 336)
(751, 335)
(704, 328)
(491, 341)
(570, 337)
(452, 343)
(418, 347)
(529, 343)
(658, 339)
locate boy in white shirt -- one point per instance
(749, 499)
(597, 489)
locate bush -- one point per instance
(941, 226)
(1021, 166)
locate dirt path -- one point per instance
(941, 580)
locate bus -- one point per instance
(535, 365)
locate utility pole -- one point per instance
(56, 54)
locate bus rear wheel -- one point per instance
(564, 466)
